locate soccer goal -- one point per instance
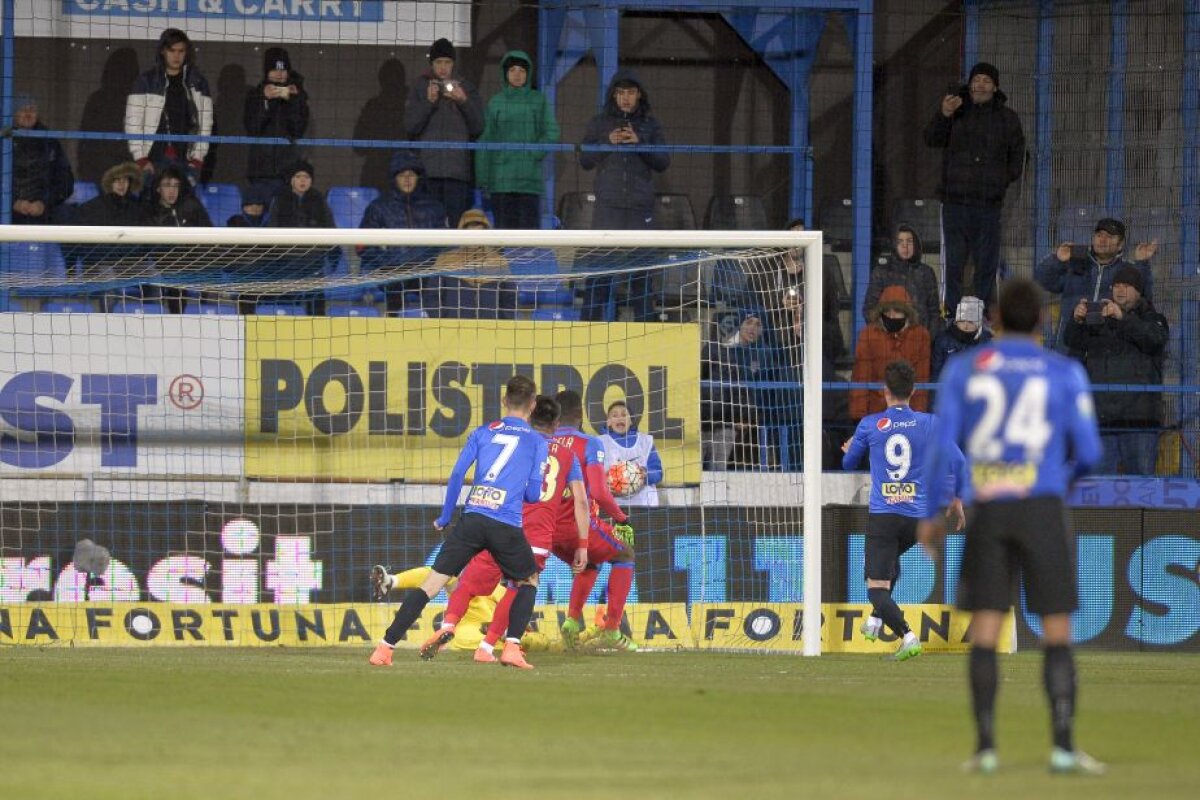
(210, 436)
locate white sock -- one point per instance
(486, 647)
(387, 644)
(447, 626)
(874, 622)
(909, 638)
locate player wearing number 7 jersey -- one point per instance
(902, 490)
(1025, 420)
(509, 459)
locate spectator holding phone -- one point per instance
(442, 107)
(276, 107)
(1082, 273)
(1124, 341)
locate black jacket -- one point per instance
(983, 151)
(625, 180)
(309, 210)
(267, 118)
(41, 171)
(1128, 350)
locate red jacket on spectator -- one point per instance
(877, 348)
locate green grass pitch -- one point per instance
(264, 724)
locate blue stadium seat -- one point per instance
(411, 312)
(348, 204)
(353, 311)
(64, 306)
(42, 260)
(84, 191)
(555, 315)
(221, 201)
(280, 310)
(531, 261)
(130, 305)
(544, 293)
(209, 308)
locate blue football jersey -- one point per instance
(899, 441)
(509, 457)
(1023, 417)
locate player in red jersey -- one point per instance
(563, 496)
(607, 543)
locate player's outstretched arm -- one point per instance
(597, 486)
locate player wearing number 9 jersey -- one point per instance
(898, 440)
(1025, 421)
(509, 459)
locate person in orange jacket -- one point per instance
(894, 333)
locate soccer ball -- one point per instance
(626, 478)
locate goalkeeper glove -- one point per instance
(624, 533)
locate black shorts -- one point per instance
(1029, 537)
(889, 536)
(475, 533)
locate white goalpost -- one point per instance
(252, 417)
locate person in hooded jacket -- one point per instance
(442, 107)
(624, 184)
(256, 202)
(983, 151)
(408, 205)
(42, 178)
(170, 202)
(276, 107)
(967, 331)
(299, 205)
(904, 267)
(172, 97)
(517, 114)
(894, 333)
(117, 204)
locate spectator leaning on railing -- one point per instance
(1124, 341)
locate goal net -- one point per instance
(210, 436)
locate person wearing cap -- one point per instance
(1079, 272)
(172, 97)
(895, 333)
(905, 267)
(298, 204)
(442, 107)
(42, 179)
(276, 107)
(624, 184)
(517, 114)
(478, 288)
(968, 330)
(1125, 343)
(983, 151)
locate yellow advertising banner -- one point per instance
(394, 399)
(657, 626)
(778, 627)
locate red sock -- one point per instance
(581, 587)
(499, 623)
(460, 598)
(620, 581)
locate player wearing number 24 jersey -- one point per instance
(1024, 418)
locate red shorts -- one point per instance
(482, 574)
(602, 545)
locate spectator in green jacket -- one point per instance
(517, 114)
